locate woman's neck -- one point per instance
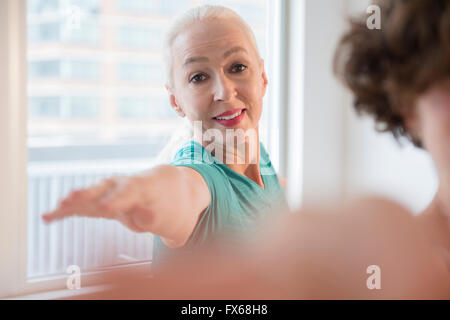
(441, 201)
(249, 170)
(242, 158)
(442, 205)
(436, 218)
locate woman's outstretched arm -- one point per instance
(166, 201)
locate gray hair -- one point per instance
(200, 13)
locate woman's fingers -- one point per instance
(70, 207)
(96, 191)
(53, 215)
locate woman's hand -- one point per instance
(120, 198)
(166, 201)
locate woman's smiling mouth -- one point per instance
(230, 118)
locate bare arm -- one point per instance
(282, 181)
(166, 201)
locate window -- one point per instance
(96, 107)
(141, 108)
(45, 69)
(40, 6)
(60, 107)
(85, 132)
(157, 7)
(45, 107)
(139, 37)
(136, 108)
(70, 21)
(65, 69)
(141, 72)
(44, 32)
(55, 6)
(80, 70)
(86, 32)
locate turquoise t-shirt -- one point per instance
(236, 201)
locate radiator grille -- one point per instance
(86, 242)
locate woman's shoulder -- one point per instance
(345, 239)
(194, 156)
(191, 152)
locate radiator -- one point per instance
(87, 242)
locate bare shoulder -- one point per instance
(182, 196)
(191, 174)
(339, 244)
(199, 188)
(380, 214)
(197, 198)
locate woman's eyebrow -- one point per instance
(205, 59)
(195, 59)
(233, 50)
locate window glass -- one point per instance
(141, 72)
(139, 37)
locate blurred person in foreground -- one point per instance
(400, 75)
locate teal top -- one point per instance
(236, 201)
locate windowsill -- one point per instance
(61, 294)
(90, 284)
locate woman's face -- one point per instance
(432, 123)
(217, 70)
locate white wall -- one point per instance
(377, 164)
(342, 154)
(315, 91)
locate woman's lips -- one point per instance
(229, 113)
(231, 122)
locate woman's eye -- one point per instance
(197, 78)
(238, 68)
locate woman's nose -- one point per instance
(225, 89)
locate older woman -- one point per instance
(216, 79)
(400, 75)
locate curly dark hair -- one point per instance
(387, 69)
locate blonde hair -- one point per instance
(201, 13)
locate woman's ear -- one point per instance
(412, 122)
(264, 78)
(174, 103)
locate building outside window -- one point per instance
(65, 69)
(140, 37)
(151, 73)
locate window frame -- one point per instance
(13, 140)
